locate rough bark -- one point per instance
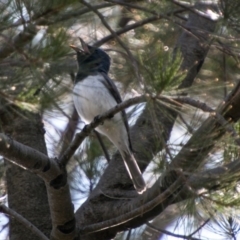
(26, 192)
(55, 178)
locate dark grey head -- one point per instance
(91, 59)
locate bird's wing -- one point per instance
(116, 95)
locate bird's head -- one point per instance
(91, 59)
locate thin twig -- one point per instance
(124, 3)
(119, 107)
(201, 226)
(43, 19)
(170, 233)
(71, 14)
(189, 128)
(135, 25)
(126, 29)
(131, 57)
(165, 16)
(23, 221)
(194, 103)
(97, 121)
(68, 134)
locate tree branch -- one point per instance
(133, 26)
(172, 234)
(71, 14)
(56, 182)
(120, 42)
(206, 136)
(24, 222)
(149, 136)
(97, 121)
(139, 210)
(69, 131)
(216, 178)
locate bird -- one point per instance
(94, 93)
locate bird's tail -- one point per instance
(134, 172)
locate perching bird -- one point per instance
(95, 93)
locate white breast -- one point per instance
(91, 98)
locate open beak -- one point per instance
(75, 48)
(84, 49)
(84, 46)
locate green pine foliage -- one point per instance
(162, 72)
(37, 74)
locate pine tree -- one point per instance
(176, 64)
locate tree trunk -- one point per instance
(26, 191)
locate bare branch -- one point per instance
(133, 26)
(97, 121)
(137, 211)
(153, 126)
(24, 156)
(206, 136)
(194, 103)
(23, 221)
(71, 14)
(131, 5)
(171, 234)
(55, 178)
(119, 107)
(199, 228)
(126, 29)
(131, 57)
(213, 129)
(216, 178)
(144, 9)
(69, 131)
